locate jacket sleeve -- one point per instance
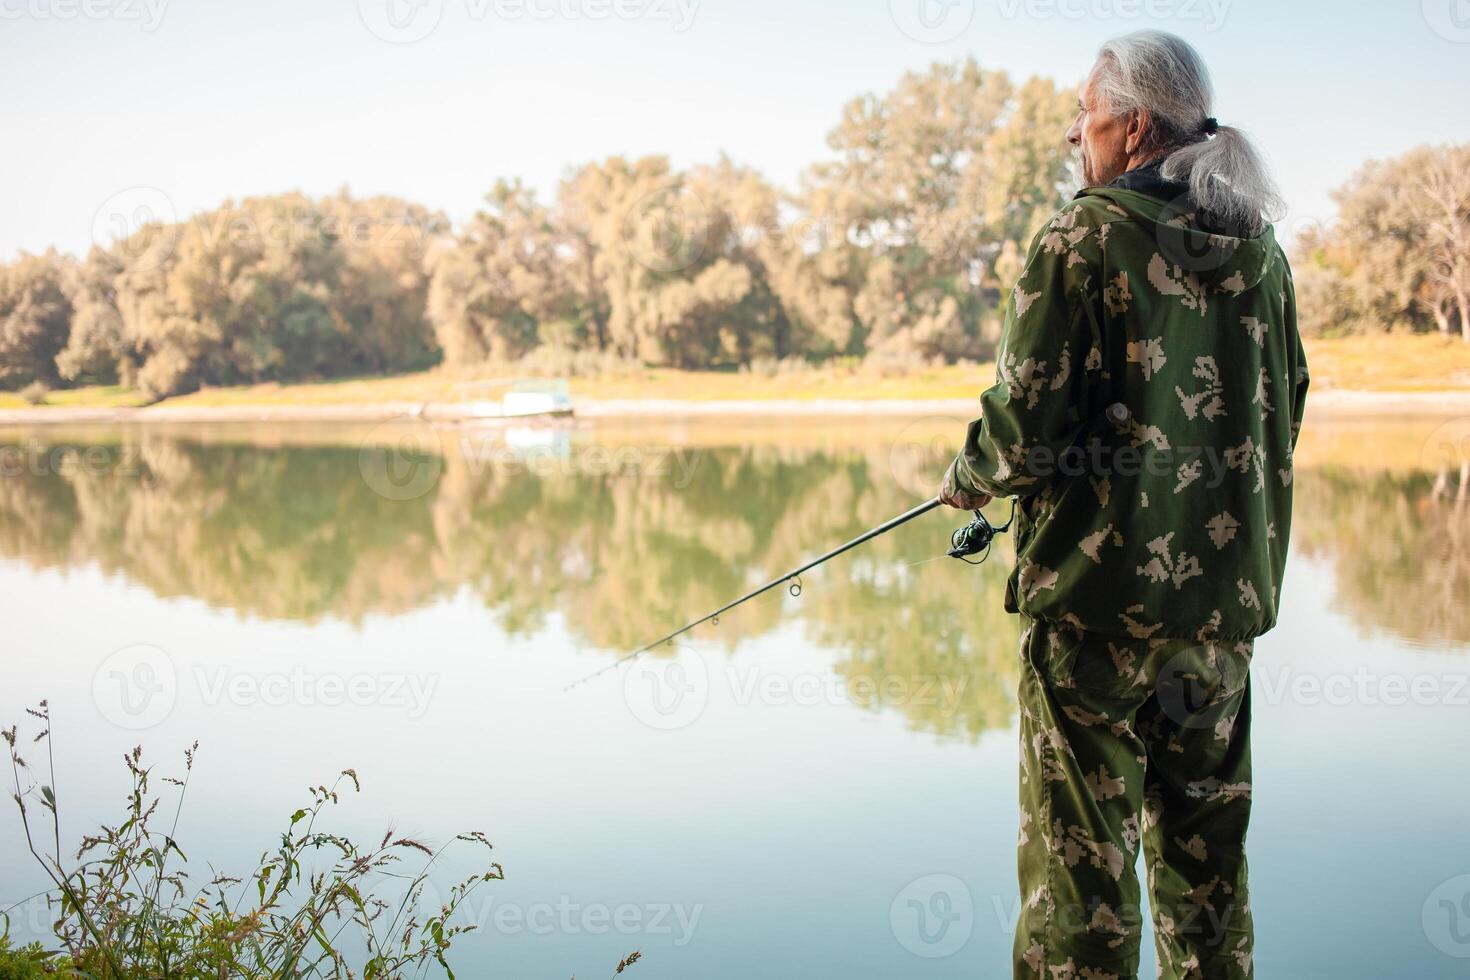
(1049, 352)
(1301, 378)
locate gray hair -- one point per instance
(1162, 75)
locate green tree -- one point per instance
(95, 349)
(1398, 257)
(380, 304)
(663, 252)
(501, 277)
(935, 191)
(35, 318)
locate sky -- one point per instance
(120, 108)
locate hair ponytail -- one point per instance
(1162, 75)
(1228, 180)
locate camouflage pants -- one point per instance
(1127, 742)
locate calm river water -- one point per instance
(818, 786)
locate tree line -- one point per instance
(1398, 256)
(901, 244)
(617, 557)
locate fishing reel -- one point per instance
(975, 537)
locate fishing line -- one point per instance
(972, 539)
(925, 561)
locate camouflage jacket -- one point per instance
(1150, 388)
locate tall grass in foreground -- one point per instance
(127, 909)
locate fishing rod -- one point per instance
(972, 539)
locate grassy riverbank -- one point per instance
(1384, 363)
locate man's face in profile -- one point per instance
(1101, 138)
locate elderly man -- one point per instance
(1151, 387)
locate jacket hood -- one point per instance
(1219, 259)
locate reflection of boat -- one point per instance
(526, 440)
(519, 399)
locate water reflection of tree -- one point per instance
(283, 533)
(294, 532)
(932, 641)
(1399, 545)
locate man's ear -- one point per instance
(1137, 129)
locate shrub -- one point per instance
(35, 393)
(26, 963)
(127, 908)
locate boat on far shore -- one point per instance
(520, 399)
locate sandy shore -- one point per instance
(1337, 402)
